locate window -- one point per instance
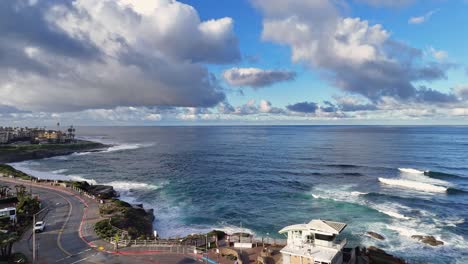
(324, 237)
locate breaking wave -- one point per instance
(129, 186)
(125, 147)
(410, 170)
(430, 174)
(61, 171)
(420, 186)
(81, 178)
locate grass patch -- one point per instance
(8, 170)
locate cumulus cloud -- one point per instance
(303, 107)
(354, 55)
(422, 19)
(354, 104)
(70, 56)
(256, 78)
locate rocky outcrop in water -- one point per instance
(429, 240)
(375, 235)
(100, 191)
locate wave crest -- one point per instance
(125, 147)
(127, 186)
(420, 186)
(410, 170)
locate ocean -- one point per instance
(396, 181)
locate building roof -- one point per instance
(320, 226)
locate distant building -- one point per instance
(313, 243)
(36, 135)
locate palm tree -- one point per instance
(6, 243)
(4, 189)
(20, 191)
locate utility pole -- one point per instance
(34, 239)
(206, 245)
(34, 235)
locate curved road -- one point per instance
(61, 243)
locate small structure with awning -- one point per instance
(313, 243)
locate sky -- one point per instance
(196, 62)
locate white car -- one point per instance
(39, 226)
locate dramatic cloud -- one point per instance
(304, 107)
(422, 19)
(70, 56)
(357, 57)
(256, 78)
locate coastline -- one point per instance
(109, 192)
(18, 153)
(105, 193)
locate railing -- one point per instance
(161, 245)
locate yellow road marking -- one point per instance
(59, 237)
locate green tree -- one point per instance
(26, 207)
(21, 192)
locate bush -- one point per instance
(105, 230)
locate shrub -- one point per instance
(104, 229)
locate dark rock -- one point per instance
(102, 191)
(377, 255)
(430, 240)
(376, 235)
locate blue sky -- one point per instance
(156, 62)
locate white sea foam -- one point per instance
(344, 195)
(405, 231)
(81, 178)
(60, 158)
(358, 193)
(61, 171)
(420, 186)
(81, 153)
(128, 185)
(125, 147)
(231, 229)
(410, 170)
(393, 214)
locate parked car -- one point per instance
(39, 226)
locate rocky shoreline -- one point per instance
(21, 152)
(131, 219)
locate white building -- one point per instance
(313, 243)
